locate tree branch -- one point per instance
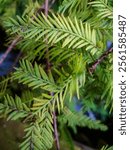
(44, 7)
(56, 131)
(11, 46)
(99, 60)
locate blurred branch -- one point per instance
(44, 7)
(11, 46)
(99, 60)
(83, 147)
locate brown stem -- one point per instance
(56, 131)
(46, 7)
(99, 60)
(12, 45)
(43, 7)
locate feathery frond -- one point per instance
(34, 77)
(71, 32)
(73, 6)
(39, 134)
(73, 119)
(3, 86)
(103, 8)
(14, 108)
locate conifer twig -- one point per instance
(46, 7)
(56, 131)
(43, 7)
(99, 60)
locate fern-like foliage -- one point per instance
(104, 10)
(59, 50)
(57, 28)
(3, 86)
(39, 133)
(74, 119)
(35, 77)
(14, 108)
(73, 6)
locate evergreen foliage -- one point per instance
(72, 38)
(106, 148)
(73, 119)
